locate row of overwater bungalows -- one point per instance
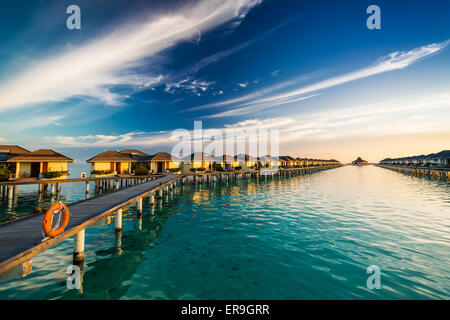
(49, 164)
(440, 159)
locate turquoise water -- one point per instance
(306, 237)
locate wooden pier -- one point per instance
(22, 239)
(430, 172)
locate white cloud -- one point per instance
(256, 108)
(394, 61)
(243, 85)
(189, 84)
(2, 140)
(91, 69)
(250, 102)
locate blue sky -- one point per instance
(135, 72)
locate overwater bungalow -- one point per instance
(301, 161)
(360, 162)
(246, 161)
(42, 163)
(268, 161)
(110, 162)
(226, 162)
(288, 161)
(198, 160)
(440, 159)
(163, 162)
(9, 168)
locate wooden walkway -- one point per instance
(21, 240)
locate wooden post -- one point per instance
(160, 193)
(119, 220)
(53, 189)
(10, 192)
(87, 187)
(152, 198)
(78, 250)
(139, 204)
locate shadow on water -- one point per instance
(109, 276)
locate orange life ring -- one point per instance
(47, 223)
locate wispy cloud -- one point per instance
(394, 61)
(255, 108)
(189, 84)
(243, 84)
(92, 69)
(402, 115)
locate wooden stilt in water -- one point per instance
(10, 192)
(119, 220)
(78, 250)
(139, 205)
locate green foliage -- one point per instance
(238, 168)
(102, 172)
(217, 167)
(174, 170)
(141, 169)
(5, 172)
(54, 174)
(198, 169)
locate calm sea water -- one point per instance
(306, 237)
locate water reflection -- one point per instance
(312, 236)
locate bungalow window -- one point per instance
(111, 166)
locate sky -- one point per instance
(136, 71)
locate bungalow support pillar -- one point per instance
(87, 187)
(78, 250)
(10, 192)
(152, 198)
(139, 204)
(119, 220)
(53, 189)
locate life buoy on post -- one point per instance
(47, 224)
